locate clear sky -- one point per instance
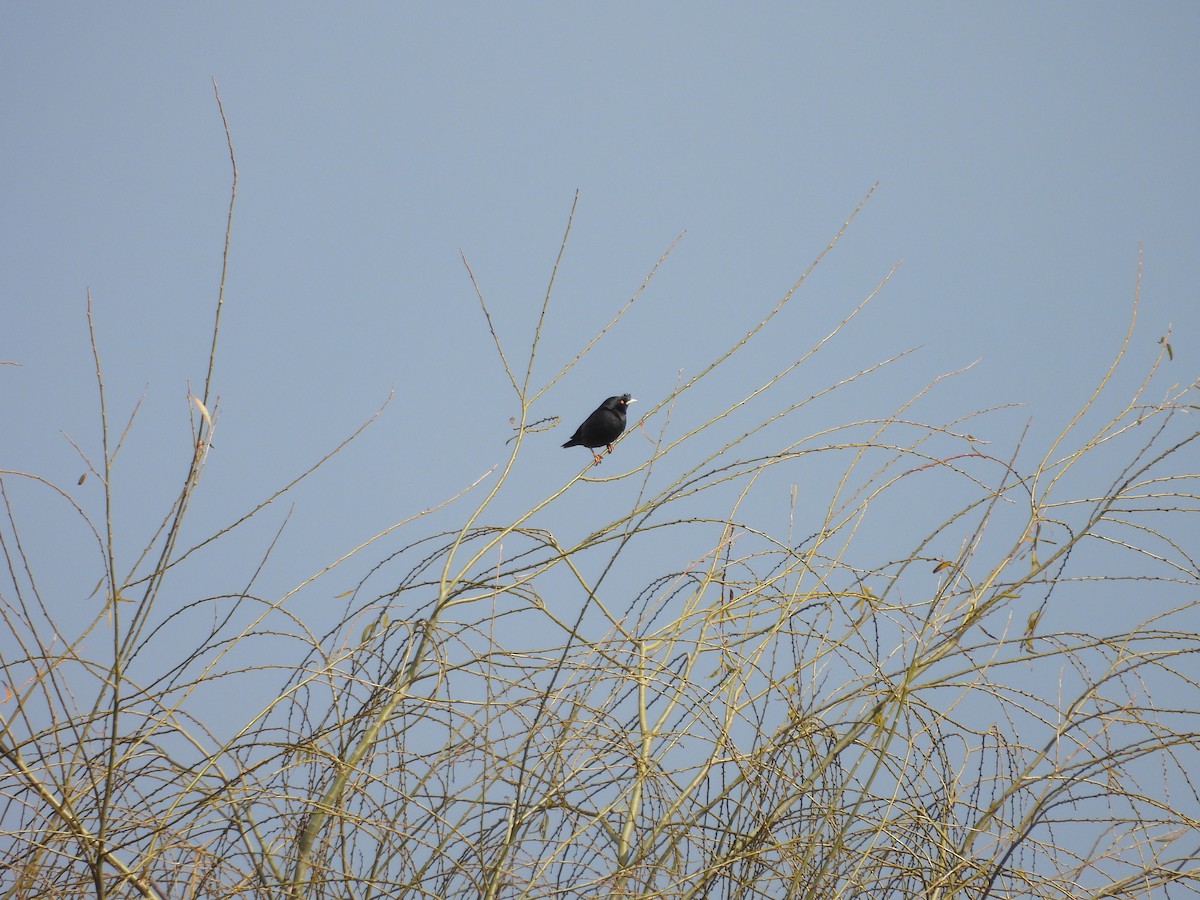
(1022, 152)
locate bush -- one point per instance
(498, 714)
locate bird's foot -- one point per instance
(597, 457)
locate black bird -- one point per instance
(603, 426)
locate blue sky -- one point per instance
(1022, 152)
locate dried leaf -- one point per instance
(203, 411)
(1030, 628)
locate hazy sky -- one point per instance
(1022, 152)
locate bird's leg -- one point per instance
(597, 457)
